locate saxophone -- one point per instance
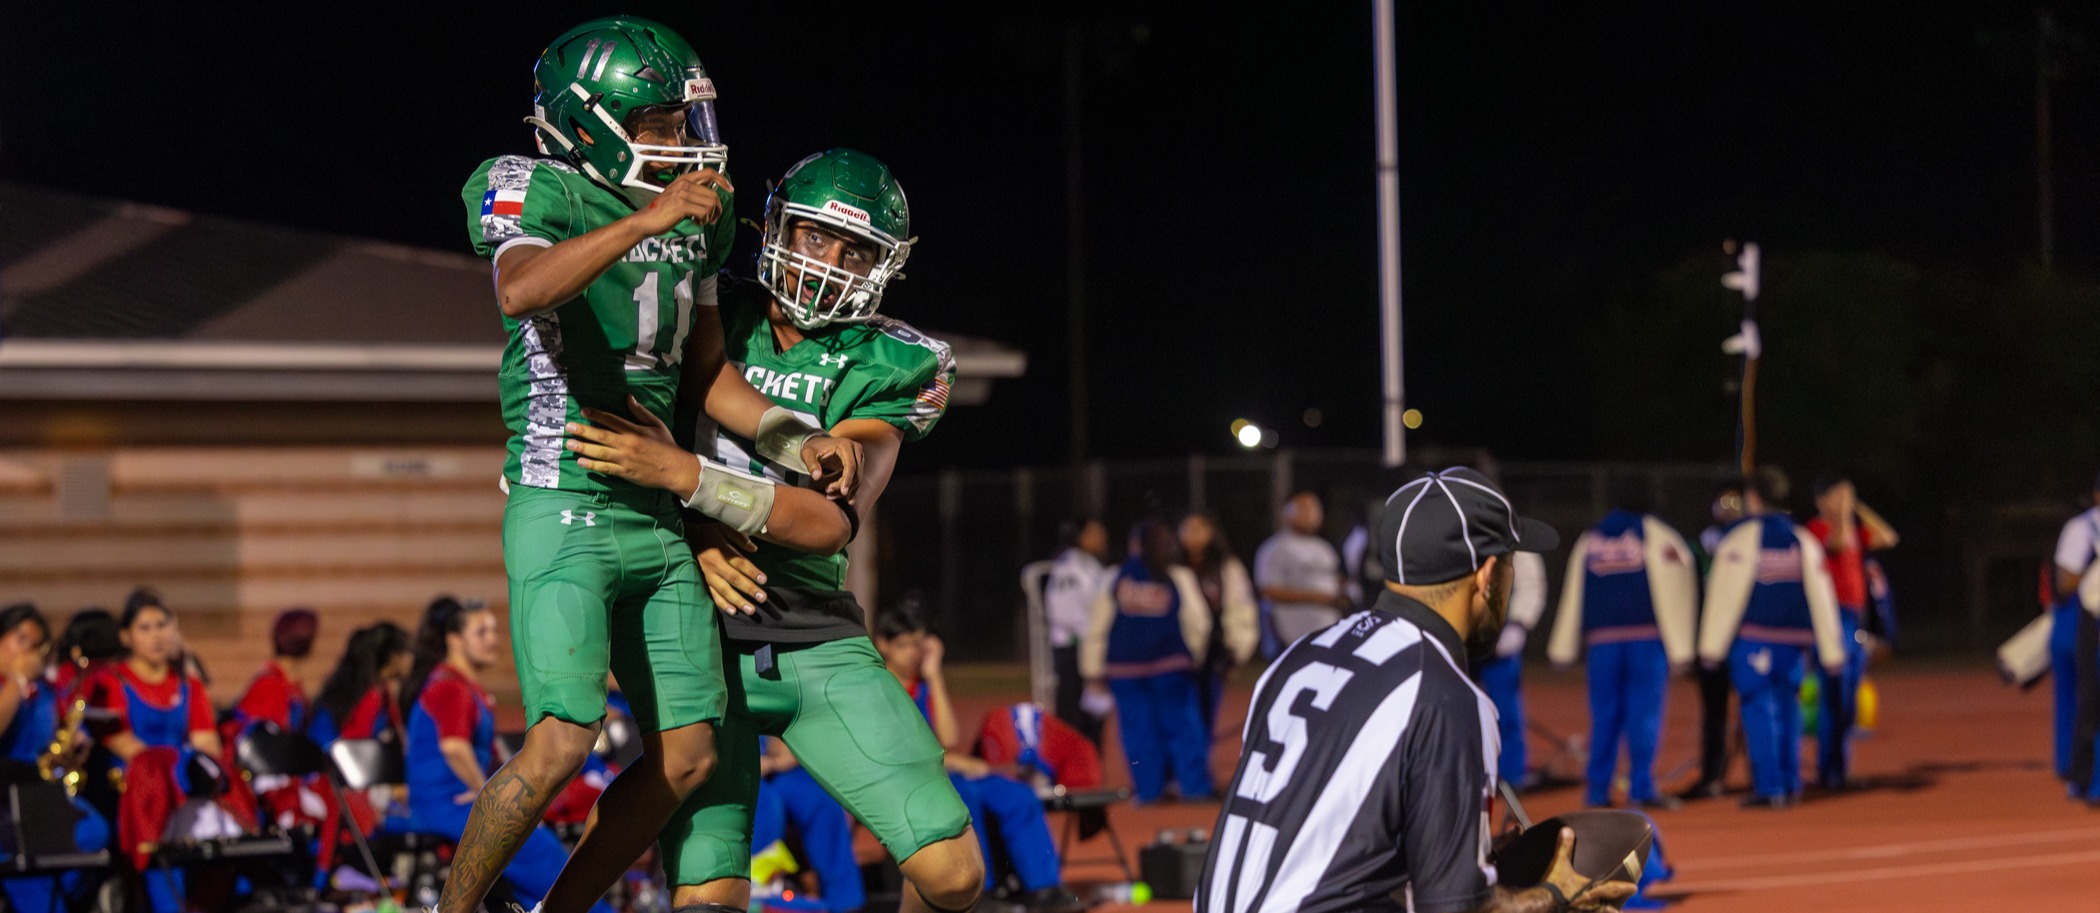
(49, 764)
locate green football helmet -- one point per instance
(849, 193)
(591, 80)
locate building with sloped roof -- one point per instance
(251, 417)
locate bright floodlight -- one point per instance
(1249, 435)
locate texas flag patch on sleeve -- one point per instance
(503, 203)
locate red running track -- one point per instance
(1961, 810)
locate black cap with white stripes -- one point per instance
(1442, 526)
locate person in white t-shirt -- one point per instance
(1068, 598)
(1299, 574)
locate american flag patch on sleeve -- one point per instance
(935, 394)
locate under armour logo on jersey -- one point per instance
(826, 360)
(569, 518)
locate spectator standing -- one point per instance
(1228, 595)
(2076, 545)
(1768, 605)
(1076, 577)
(1847, 530)
(1502, 676)
(1146, 640)
(1731, 499)
(1299, 575)
(1630, 600)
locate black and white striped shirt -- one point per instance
(1364, 778)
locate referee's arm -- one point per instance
(1444, 806)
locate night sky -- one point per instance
(1552, 162)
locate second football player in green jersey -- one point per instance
(808, 338)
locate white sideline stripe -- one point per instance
(1881, 874)
(1888, 850)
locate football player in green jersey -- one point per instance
(604, 256)
(807, 335)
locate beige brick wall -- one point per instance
(231, 536)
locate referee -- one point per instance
(1366, 771)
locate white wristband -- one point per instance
(740, 499)
(781, 434)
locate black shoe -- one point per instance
(1704, 789)
(1053, 900)
(1772, 802)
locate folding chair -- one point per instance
(366, 763)
(1083, 803)
(1042, 670)
(46, 849)
(266, 750)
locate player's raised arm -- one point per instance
(533, 279)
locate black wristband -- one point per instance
(1560, 901)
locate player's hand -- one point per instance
(834, 461)
(732, 580)
(1581, 893)
(692, 195)
(640, 451)
(930, 652)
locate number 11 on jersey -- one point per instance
(648, 322)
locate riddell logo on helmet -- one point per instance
(840, 209)
(699, 88)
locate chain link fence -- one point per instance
(957, 540)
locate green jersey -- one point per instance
(623, 336)
(881, 369)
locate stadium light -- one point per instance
(1247, 433)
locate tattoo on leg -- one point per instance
(504, 814)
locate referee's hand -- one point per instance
(1581, 892)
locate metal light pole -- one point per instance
(1747, 344)
(1392, 380)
